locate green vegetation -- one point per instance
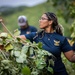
(20, 57)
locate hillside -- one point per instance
(33, 14)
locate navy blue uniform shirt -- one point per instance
(55, 44)
(27, 30)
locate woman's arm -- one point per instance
(70, 56)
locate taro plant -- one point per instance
(18, 57)
(72, 29)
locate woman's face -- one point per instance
(43, 22)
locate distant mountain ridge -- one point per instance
(3, 8)
(7, 10)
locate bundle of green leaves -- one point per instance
(72, 29)
(17, 58)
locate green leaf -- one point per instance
(21, 58)
(31, 51)
(40, 64)
(26, 71)
(73, 35)
(25, 49)
(51, 62)
(16, 32)
(72, 29)
(50, 69)
(6, 61)
(19, 39)
(8, 47)
(4, 35)
(1, 41)
(17, 53)
(40, 45)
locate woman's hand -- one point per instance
(21, 37)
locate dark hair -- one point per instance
(27, 23)
(55, 25)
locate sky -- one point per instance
(21, 2)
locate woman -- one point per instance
(53, 41)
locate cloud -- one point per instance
(20, 2)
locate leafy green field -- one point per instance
(33, 14)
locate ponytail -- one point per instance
(59, 29)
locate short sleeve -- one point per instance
(30, 36)
(66, 46)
